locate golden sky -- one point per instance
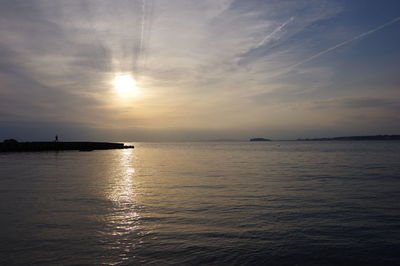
(198, 70)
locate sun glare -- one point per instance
(125, 86)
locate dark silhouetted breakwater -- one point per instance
(14, 146)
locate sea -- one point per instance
(203, 203)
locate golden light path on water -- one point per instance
(123, 220)
(123, 192)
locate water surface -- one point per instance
(236, 203)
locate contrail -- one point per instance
(143, 24)
(141, 40)
(342, 44)
(94, 34)
(278, 29)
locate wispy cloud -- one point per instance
(274, 34)
(357, 103)
(330, 49)
(201, 64)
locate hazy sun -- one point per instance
(125, 86)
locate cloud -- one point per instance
(199, 64)
(330, 49)
(280, 35)
(357, 103)
(274, 34)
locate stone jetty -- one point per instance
(12, 145)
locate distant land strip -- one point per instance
(259, 139)
(11, 145)
(376, 137)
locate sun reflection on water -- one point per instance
(123, 220)
(123, 192)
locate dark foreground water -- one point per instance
(275, 203)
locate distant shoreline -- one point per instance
(357, 138)
(345, 138)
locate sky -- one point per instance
(198, 69)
